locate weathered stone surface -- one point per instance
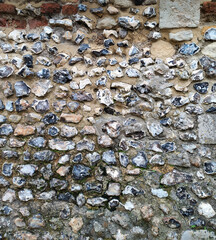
(206, 129)
(181, 15)
(197, 235)
(181, 36)
(106, 23)
(162, 49)
(42, 87)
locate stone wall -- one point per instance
(107, 120)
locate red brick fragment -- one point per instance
(50, 8)
(209, 8)
(69, 9)
(7, 8)
(20, 24)
(3, 22)
(38, 22)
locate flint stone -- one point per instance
(140, 160)
(41, 87)
(209, 66)
(189, 49)
(7, 169)
(3, 182)
(36, 221)
(129, 23)
(3, 119)
(6, 129)
(50, 118)
(109, 157)
(58, 184)
(207, 129)
(38, 142)
(53, 131)
(21, 105)
(97, 201)
(175, 177)
(58, 144)
(15, 143)
(3, 142)
(202, 190)
(86, 145)
(28, 60)
(40, 106)
(8, 89)
(62, 76)
(6, 71)
(93, 158)
(37, 47)
(2, 106)
(160, 193)
(114, 189)
(123, 159)
(210, 34)
(45, 155)
(27, 170)
(181, 15)
(210, 167)
(206, 210)
(19, 181)
(68, 131)
(22, 89)
(80, 171)
(81, 96)
(25, 195)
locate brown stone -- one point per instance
(22, 130)
(147, 212)
(73, 118)
(38, 22)
(7, 8)
(50, 8)
(69, 9)
(76, 224)
(209, 7)
(19, 24)
(88, 130)
(62, 171)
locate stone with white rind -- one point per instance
(206, 210)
